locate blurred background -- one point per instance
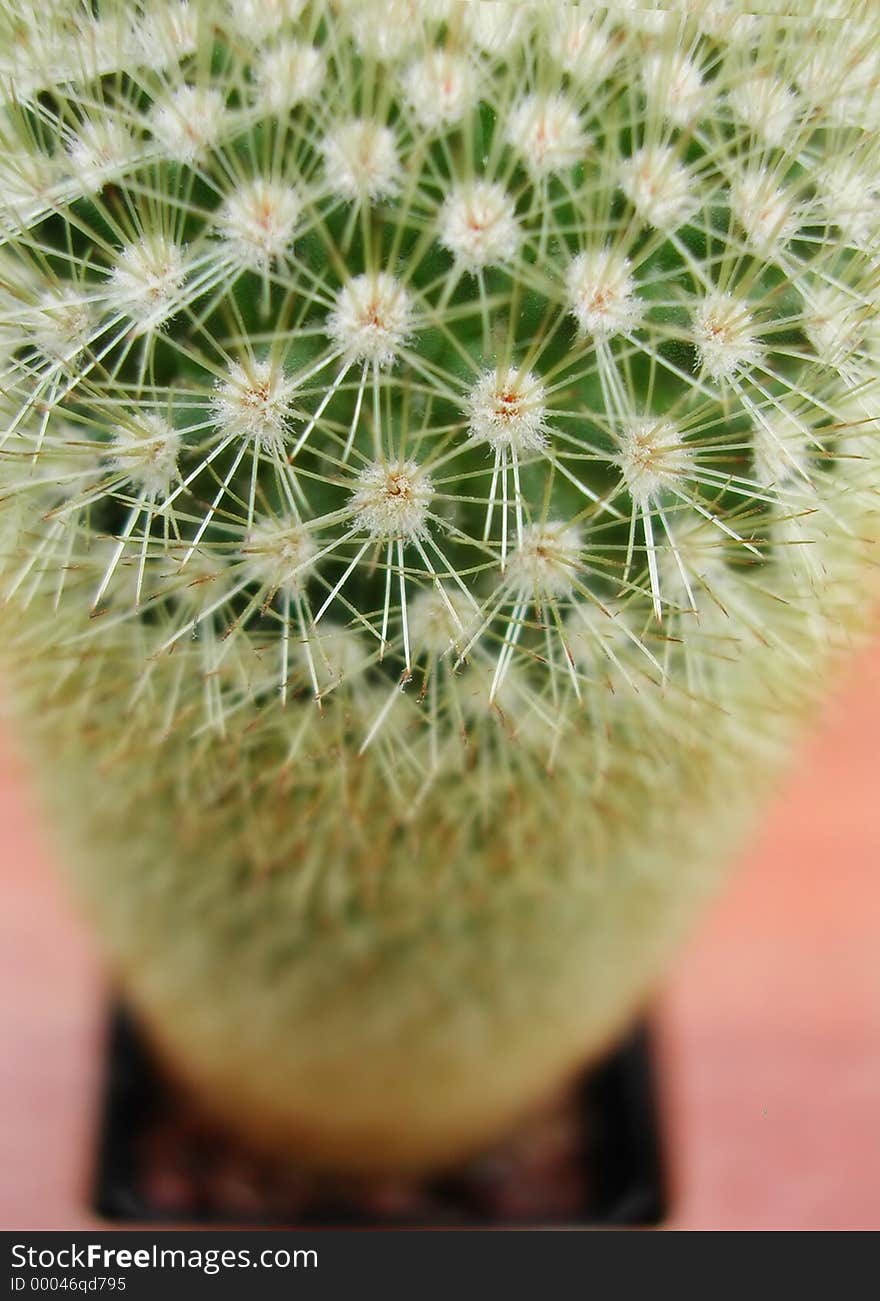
(768, 1027)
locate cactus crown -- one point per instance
(481, 356)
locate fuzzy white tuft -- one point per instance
(391, 502)
(372, 319)
(506, 408)
(254, 402)
(360, 161)
(478, 225)
(602, 293)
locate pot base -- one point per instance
(589, 1158)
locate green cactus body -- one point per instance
(440, 458)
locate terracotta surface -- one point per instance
(770, 1024)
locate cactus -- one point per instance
(440, 464)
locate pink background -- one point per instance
(770, 1022)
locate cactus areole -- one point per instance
(440, 456)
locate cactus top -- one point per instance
(503, 340)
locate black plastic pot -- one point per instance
(600, 1164)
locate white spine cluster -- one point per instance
(835, 325)
(63, 324)
(851, 201)
(258, 220)
(99, 150)
(188, 123)
(546, 130)
(391, 502)
(254, 403)
(763, 209)
(288, 74)
(673, 82)
(260, 20)
(506, 408)
(547, 561)
(279, 556)
(495, 29)
(602, 293)
(146, 280)
(579, 45)
(386, 30)
(659, 186)
(361, 162)
(164, 34)
(724, 335)
(145, 452)
(652, 456)
(478, 225)
(440, 89)
(438, 621)
(767, 106)
(371, 320)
